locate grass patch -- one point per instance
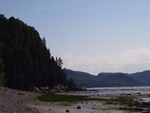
(20, 94)
(113, 103)
(52, 97)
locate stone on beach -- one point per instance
(78, 107)
(67, 111)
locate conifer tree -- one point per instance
(27, 60)
(2, 81)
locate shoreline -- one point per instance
(16, 101)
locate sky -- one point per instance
(90, 35)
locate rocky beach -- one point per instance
(15, 101)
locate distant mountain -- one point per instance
(143, 77)
(103, 79)
(80, 78)
(121, 79)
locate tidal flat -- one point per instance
(104, 100)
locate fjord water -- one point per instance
(124, 90)
(121, 90)
(113, 91)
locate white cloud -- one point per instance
(129, 61)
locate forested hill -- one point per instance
(108, 79)
(25, 60)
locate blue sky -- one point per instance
(90, 35)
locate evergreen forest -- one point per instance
(24, 58)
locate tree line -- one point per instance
(24, 58)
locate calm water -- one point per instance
(113, 91)
(122, 90)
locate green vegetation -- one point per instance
(25, 59)
(20, 94)
(52, 97)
